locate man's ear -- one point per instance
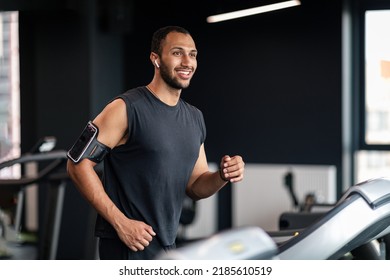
(154, 58)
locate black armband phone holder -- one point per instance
(87, 146)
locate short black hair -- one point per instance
(160, 35)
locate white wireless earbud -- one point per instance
(158, 66)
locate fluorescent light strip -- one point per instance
(252, 11)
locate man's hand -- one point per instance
(135, 234)
(232, 168)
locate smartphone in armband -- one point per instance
(83, 142)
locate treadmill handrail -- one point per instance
(59, 154)
(375, 191)
(57, 158)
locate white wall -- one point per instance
(262, 196)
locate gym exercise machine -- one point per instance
(246, 243)
(359, 219)
(52, 173)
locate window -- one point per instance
(373, 154)
(377, 77)
(9, 91)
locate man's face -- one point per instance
(178, 60)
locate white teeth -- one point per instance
(185, 73)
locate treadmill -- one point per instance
(360, 217)
(53, 172)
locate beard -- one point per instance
(170, 80)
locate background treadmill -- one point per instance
(51, 172)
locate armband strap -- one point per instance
(96, 151)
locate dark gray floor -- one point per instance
(17, 251)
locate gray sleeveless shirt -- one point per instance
(146, 177)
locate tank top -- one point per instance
(146, 177)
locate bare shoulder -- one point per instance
(117, 105)
(112, 122)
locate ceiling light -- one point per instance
(252, 11)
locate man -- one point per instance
(152, 143)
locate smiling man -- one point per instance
(152, 145)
